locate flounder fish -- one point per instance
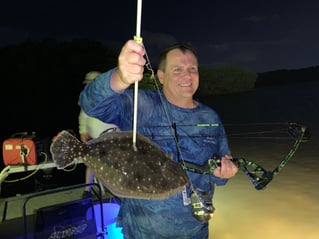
(146, 172)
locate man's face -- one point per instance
(181, 78)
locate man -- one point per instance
(90, 128)
(178, 124)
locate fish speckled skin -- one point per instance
(146, 173)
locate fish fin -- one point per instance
(104, 136)
(62, 149)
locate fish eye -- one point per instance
(162, 164)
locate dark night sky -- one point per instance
(261, 35)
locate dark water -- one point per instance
(288, 207)
(297, 102)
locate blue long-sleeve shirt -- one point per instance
(193, 135)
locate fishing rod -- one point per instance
(259, 176)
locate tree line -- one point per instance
(60, 67)
(284, 76)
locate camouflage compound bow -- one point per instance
(256, 174)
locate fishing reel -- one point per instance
(202, 206)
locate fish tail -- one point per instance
(63, 149)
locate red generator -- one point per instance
(19, 151)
